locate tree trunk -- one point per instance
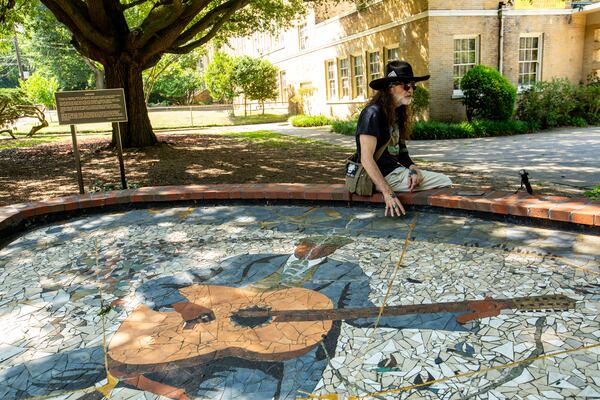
(99, 79)
(137, 132)
(98, 73)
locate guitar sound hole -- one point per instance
(251, 322)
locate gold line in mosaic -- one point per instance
(393, 277)
(334, 396)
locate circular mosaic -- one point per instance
(260, 302)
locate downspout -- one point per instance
(500, 37)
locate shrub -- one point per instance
(593, 194)
(556, 103)
(487, 94)
(39, 89)
(432, 130)
(587, 103)
(309, 120)
(420, 101)
(15, 104)
(345, 127)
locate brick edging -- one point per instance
(581, 211)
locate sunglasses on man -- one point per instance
(406, 85)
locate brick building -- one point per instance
(331, 55)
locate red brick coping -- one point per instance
(580, 211)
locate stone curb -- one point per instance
(580, 211)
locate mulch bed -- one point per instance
(48, 170)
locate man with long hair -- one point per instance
(387, 120)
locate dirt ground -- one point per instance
(48, 170)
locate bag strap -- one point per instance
(381, 149)
(378, 153)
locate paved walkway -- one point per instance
(566, 156)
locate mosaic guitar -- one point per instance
(250, 325)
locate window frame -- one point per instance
(458, 93)
(354, 76)
(540, 51)
(349, 78)
(386, 49)
(283, 86)
(301, 27)
(331, 96)
(380, 65)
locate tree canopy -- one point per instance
(130, 36)
(256, 78)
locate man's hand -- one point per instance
(414, 177)
(393, 207)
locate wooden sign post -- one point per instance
(88, 107)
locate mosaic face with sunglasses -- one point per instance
(386, 122)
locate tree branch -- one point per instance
(213, 31)
(74, 15)
(127, 6)
(101, 18)
(205, 22)
(162, 15)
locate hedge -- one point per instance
(432, 130)
(309, 120)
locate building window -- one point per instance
(529, 60)
(374, 65)
(392, 54)
(597, 55)
(278, 40)
(466, 56)
(345, 77)
(284, 90)
(359, 77)
(303, 35)
(331, 80)
(597, 35)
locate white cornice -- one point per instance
(463, 13)
(590, 8)
(557, 11)
(493, 13)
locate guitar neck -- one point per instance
(477, 308)
(369, 312)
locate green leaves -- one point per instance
(218, 78)
(10, 100)
(40, 89)
(256, 78)
(488, 94)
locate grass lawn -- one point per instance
(167, 120)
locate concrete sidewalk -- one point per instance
(566, 156)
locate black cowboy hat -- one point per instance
(396, 71)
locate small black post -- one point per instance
(77, 159)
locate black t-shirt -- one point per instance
(373, 121)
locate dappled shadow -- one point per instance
(568, 157)
(48, 171)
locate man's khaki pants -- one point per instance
(398, 180)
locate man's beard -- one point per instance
(402, 100)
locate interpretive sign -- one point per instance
(91, 106)
(88, 107)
